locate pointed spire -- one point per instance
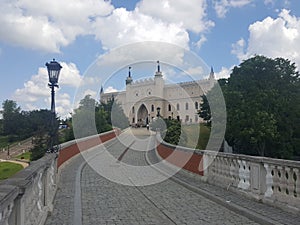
(129, 72)
(212, 73)
(158, 73)
(129, 79)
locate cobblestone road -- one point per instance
(107, 202)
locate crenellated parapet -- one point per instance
(147, 81)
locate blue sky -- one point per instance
(221, 32)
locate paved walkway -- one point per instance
(16, 149)
(86, 197)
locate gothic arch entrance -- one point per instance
(142, 116)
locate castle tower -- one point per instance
(129, 79)
(159, 82)
(212, 74)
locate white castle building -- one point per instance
(144, 100)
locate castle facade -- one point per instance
(144, 100)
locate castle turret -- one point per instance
(159, 82)
(212, 74)
(129, 79)
(158, 73)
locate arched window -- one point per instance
(152, 108)
(132, 109)
(169, 108)
(196, 105)
(177, 106)
(186, 106)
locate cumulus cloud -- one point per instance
(223, 73)
(126, 27)
(223, 6)
(191, 15)
(279, 37)
(36, 93)
(50, 24)
(110, 89)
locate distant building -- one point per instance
(143, 100)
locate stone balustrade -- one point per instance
(272, 181)
(27, 197)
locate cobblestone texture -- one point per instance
(105, 202)
(168, 202)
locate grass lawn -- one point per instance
(7, 169)
(25, 156)
(196, 138)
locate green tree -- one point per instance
(262, 101)
(11, 114)
(115, 114)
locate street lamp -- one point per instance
(158, 111)
(53, 72)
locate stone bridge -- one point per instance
(134, 178)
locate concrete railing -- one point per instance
(273, 181)
(27, 197)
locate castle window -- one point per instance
(132, 109)
(152, 108)
(178, 108)
(169, 108)
(196, 105)
(186, 106)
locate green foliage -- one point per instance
(170, 130)
(262, 99)
(204, 111)
(40, 146)
(107, 115)
(7, 169)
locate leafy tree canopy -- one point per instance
(262, 99)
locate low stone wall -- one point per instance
(272, 181)
(27, 197)
(72, 148)
(181, 157)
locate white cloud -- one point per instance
(201, 41)
(69, 75)
(50, 24)
(238, 49)
(278, 37)
(223, 6)
(224, 73)
(190, 14)
(110, 89)
(36, 94)
(132, 26)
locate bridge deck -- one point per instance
(86, 194)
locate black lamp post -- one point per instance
(158, 111)
(53, 72)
